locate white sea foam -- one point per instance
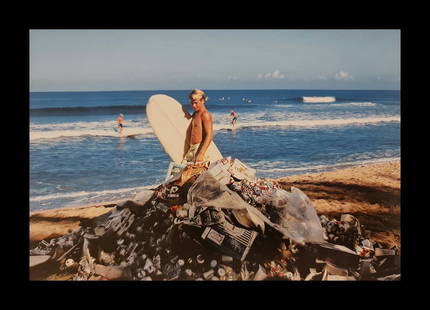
(86, 194)
(263, 168)
(358, 104)
(54, 134)
(318, 99)
(312, 122)
(105, 129)
(283, 105)
(336, 104)
(73, 125)
(305, 168)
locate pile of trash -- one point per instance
(218, 222)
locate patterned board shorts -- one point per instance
(191, 154)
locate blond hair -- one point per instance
(200, 93)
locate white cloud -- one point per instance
(275, 75)
(342, 75)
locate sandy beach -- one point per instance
(369, 192)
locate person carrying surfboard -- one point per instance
(201, 133)
(120, 121)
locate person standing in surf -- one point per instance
(234, 116)
(201, 130)
(120, 121)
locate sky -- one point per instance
(183, 59)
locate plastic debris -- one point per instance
(219, 223)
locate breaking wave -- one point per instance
(312, 123)
(105, 129)
(55, 134)
(318, 99)
(358, 104)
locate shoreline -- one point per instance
(371, 192)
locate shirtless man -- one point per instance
(201, 128)
(120, 121)
(234, 116)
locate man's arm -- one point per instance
(208, 133)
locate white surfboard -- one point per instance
(131, 136)
(171, 122)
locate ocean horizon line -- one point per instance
(206, 89)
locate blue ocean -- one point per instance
(77, 158)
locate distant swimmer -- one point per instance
(120, 121)
(234, 116)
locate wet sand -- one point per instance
(369, 192)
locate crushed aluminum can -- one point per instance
(226, 259)
(122, 252)
(181, 213)
(130, 236)
(221, 272)
(142, 259)
(188, 272)
(174, 259)
(141, 273)
(352, 220)
(105, 258)
(324, 220)
(99, 230)
(289, 275)
(208, 274)
(172, 271)
(157, 261)
(200, 259)
(149, 267)
(69, 262)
